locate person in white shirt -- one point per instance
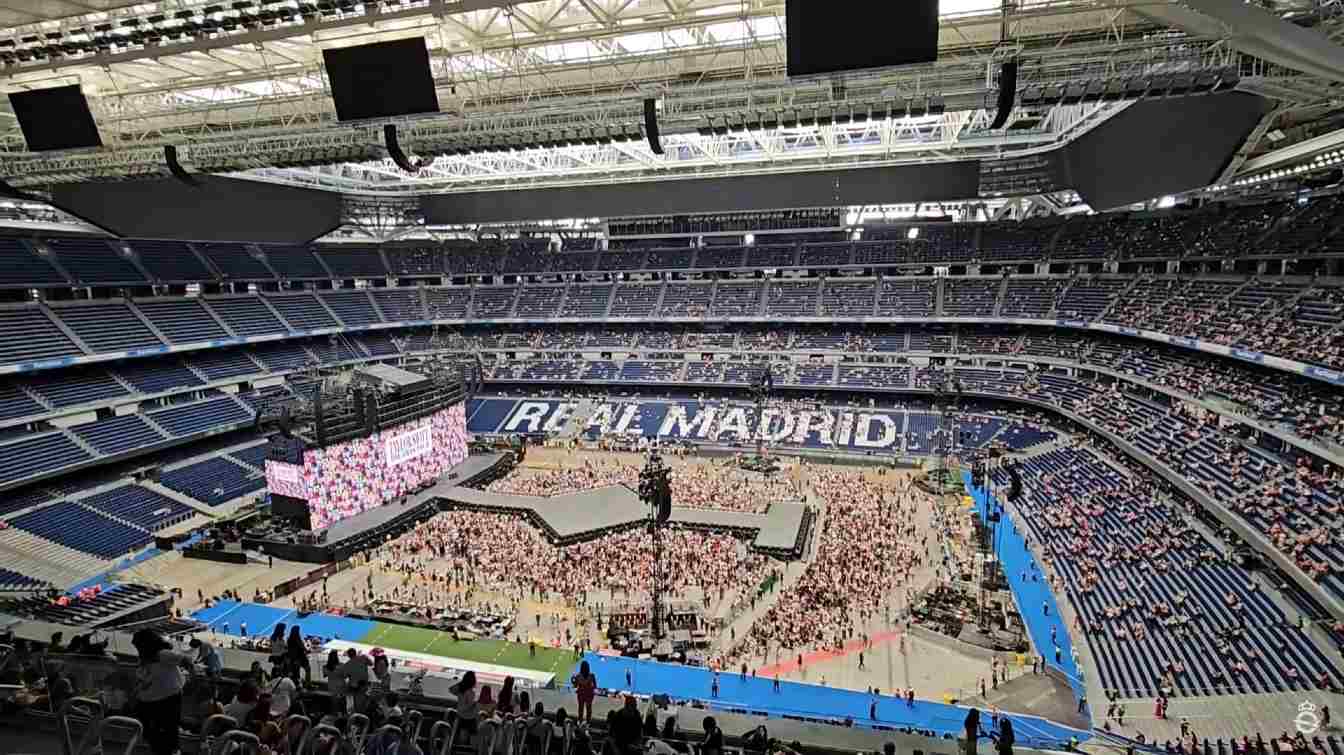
(158, 691)
(282, 696)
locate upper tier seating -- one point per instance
(772, 256)
(1017, 241)
(108, 327)
(79, 386)
(15, 402)
(189, 419)
(353, 307)
(539, 301)
(218, 364)
(970, 297)
(246, 315)
(119, 434)
(1086, 298)
(36, 454)
(29, 335)
(635, 299)
(736, 300)
(353, 262)
(415, 260)
(398, 305)
(494, 301)
(848, 298)
(74, 526)
(181, 320)
(155, 376)
(792, 298)
(20, 265)
(687, 299)
(826, 255)
(906, 298)
(587, 302)
(235, 262)
(170, 261)
(448, 303)
(93, 261)
(1028, 297)
(294, 262)
(618, 260)
(302, 311)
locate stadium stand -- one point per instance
(92, 261)
(234, 261)
(170, 261)
(107, 327)
(21, 266)
(181, 321)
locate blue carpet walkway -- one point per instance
(757, 695)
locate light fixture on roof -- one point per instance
(913, 233)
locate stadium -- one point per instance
(577, 376)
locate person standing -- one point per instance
(972, 730)
(158, 691)
(585, 689)
(468, 709)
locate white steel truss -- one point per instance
(250, 99)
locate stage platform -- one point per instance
(576, 517)
(349, 536)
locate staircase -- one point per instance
(1123, 295)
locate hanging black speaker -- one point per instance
(1007, 94)
(175, 167)
(395, 152)
(651, 126)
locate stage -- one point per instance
(350, 536)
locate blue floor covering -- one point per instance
(262, 619)
(810, 701)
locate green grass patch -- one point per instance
(499, 652)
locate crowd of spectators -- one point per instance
(695, 485)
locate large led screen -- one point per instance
(350, 478)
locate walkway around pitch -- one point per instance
(756, 696)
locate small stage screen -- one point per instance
(347, 479)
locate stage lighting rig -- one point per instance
(655, 489)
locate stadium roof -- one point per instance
(243, 91)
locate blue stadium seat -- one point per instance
(294, 262)
(218, 364)
(353, 307)
(20, 265)
(199, 417)
(38, 454)
(181, 320)
(398, 304)
(79, 386)
(27, 334)
(450, 303)
(156, 375)
(302, 311)
(118, 434)
(141, 507)
(107, 327)
(235, 262)
(94, 261)
(74, 526)
(170, 261)
(213, 481)
(353, 262)
(246, 315)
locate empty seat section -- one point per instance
(353, 262)
(20, 265)
(906, 298)
(27, 334)
(79, 386)
(848, 298)
(398, 304)
(94, 261)
(302, 311)
(494, 301)
(669, 259)
(353, 307)
(414, 260)
(218, 364)
(200, 417)
(450, 303)
(1086, 299)
(118, 434)
(294, 262)
(234, 262)
(182, 320)
(213, 481)
(139, 506)
(108, 327)
(618, 260)
(14, 402)
(37, 454)
(826, 255)
(969, 297)
(635, 299)
(793, 298)
(539, 301)
(170, 261)
(727, 257)
(156, 376)
(687, 299)
(69, 524)
(246, 315)
(586, 301)
(281, 357)
(1027, 297)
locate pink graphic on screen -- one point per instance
(284, 479)
(350, 478)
